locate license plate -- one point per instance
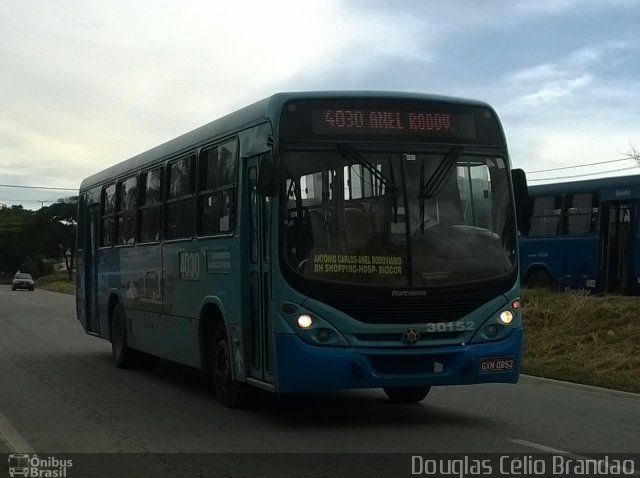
(497, 364)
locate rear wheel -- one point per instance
(230, 392)
(123, 356)
(538, 280)
(407, 394)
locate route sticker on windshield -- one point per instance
(357, 264)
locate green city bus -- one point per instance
(313, 241)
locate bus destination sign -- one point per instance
(393, 122)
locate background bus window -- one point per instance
(180, 202)
(108, 215)
(545, 219)
(581, 214)
(151, 206)
(127, 203)
(217, 186)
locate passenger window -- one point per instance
(108, 215)
(151, 206)
(217, 189)
(181, 196)
(581, 214)
(545, 220)
(125, 215)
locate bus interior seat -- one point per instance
(319, 231)
(358, 229)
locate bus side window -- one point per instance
(150, 223)
(545, 219)
(125, 214)
(180, 205)
(217, 189)
(108, 215)
(581, 214)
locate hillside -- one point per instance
(589, 340)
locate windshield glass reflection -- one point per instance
(398, 219)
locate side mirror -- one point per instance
(521, 193)
(269, 175)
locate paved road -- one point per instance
(60, 393)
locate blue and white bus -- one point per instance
(313, 241)
(584, 236)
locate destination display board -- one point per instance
(383, 119)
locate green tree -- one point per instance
(55, 227)
(15, 245)
(48, 232)
(37, 266)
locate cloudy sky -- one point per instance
(85, 84)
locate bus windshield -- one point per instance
(398, 218)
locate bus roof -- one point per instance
(585, 185)
(267, 109)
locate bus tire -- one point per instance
(230, 392)
(407, 394)
(538, 279)
(123, 356)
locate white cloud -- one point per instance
(555, 7)
(89, 83)
(557, 89)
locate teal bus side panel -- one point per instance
(140, 285)
(194, 270)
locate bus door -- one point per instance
(90, 269)
(260, 331)
(617, 255)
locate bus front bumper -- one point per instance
(301, 367)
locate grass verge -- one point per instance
(588, 340)
(56, 283)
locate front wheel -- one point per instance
(407, 394)
(230, 392)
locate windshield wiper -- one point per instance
(439, 177)
(352, 156)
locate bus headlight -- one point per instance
(506, 317)
(304, 321)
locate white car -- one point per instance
(22, 281)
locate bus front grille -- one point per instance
(373, 338)
(405, 312)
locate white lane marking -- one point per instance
(12, 438)
(548, 449)
(538, 446)
(586, 387)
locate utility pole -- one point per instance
(41, 203)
